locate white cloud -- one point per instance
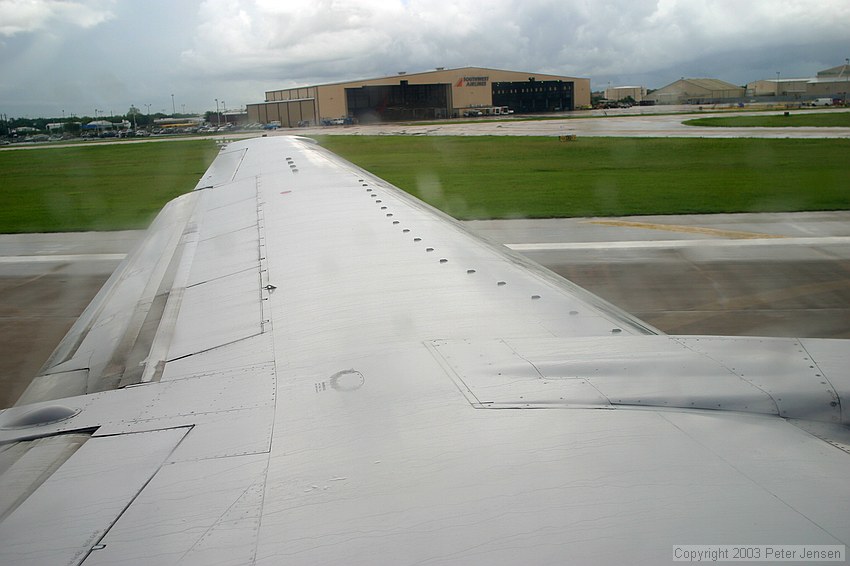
(337, 39)
(333, 37)
(26, 16)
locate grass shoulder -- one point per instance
(829, 119)
(96, 187)
(111, 187)
(472, 177)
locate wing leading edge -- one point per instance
(322, 369)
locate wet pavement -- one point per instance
(726, 274)
(630, 123)
(46, 280)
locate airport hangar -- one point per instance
(442, 93)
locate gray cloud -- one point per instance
(236, 50)
(29, 16)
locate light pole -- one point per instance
(173, 110)
(217, 115)
(224, 111)
(777, 83)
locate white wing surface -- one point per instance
(302, 364)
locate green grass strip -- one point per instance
(540, 177)
(103, 187)
(793, 120)
(112, 187)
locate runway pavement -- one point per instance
(46, 280)
(638, 121)
(726, 274)
(631, 123)
(738, 274)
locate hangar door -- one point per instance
(290, 113)
(534, 96)
(403, 101)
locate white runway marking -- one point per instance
(58, 258)
(738, 243)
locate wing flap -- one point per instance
(95, 486)
(177, 519)
(115, 332)
(773, 376)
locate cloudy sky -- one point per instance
(80, 55)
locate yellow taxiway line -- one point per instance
(734, 234)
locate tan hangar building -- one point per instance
(831, 83)
(442, 93)
(696, 91)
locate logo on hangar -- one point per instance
(472, 81)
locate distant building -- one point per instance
(833, 82)
(237, 117)
(98, 125)
(829, 83)
(697, 91)
(841, 71)
(637, 93)
(794, 88)
(442, 93)
(183, 122)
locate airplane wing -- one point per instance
(302, 364)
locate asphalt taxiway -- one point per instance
(724, 274)
(731, 274)
(627, 123)
(46, 280)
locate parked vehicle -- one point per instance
(822, 102)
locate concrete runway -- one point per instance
(738, 274)
(633, 122)
(46, 280)
(725, 274)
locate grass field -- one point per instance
(122, 186)
(104, 187)
(804, 119)
(505, 177)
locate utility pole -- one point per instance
(173, 110)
